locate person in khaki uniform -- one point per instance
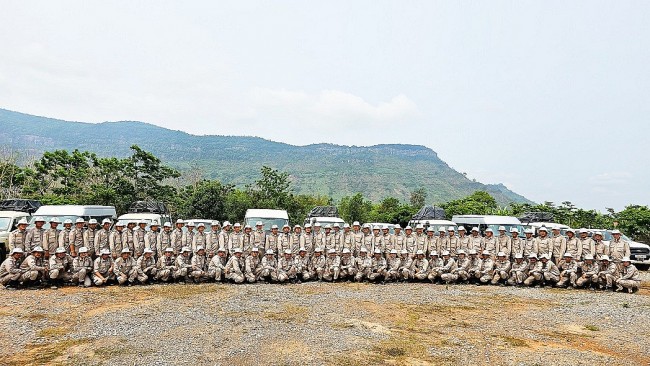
(453, 244)
(347, 240)
(303, 265)
(34, 267)
(587, 244)
(332, 266)
(448, 266)
(60, 268)
(406, 263)
(297, 240)
(318, 263)
(387, 239)
(443, 242)
(139, 234)
(183, 265)
(589, 272)
(76, 239)
(147, 264)
(151, 239)
(409, 241)
(607, 272)
(362, 264)
(82, 268)
(128, 236)
(419, 267)
(518, 271)
(272, 240)
(165, 240)
(224, 236)
(308, 240)
(269, 267)
(200, 238)
(284, 240)
(36, 235)
(435, 265)
(501, 269)
(486, 271)
(217, 266)
(51, 239)
(504, 242)
(248, 241)
(348, 269)
(431, 241)
(259, 235)
(329, 241)
(286, 267)
(559, 245)
(529, 244)
(212, 240)
(549, 270)
(475, 264)
(101, 240)
(252, 266)
(464, 241)
(126, 269)
(176, 237)
(398, 239)
(18, 237)
(602, 248)
(166, 265)
(534, 270)
(236, 239)
(235, 267)
(618, 248)
(572, 244)
(568, 271)
(628, 276)
(64, 236)
(489, 241)
(188, 236)
(460, 272)
(103, 268)
(199, 271)
(10, 271)
(517, 245)
(393, 265)
(377, 267)
(115, 240)
(476, 240)
(544, 243)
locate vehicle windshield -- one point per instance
(4, 223)
(268, 222)
(495, 228)
(607, 236)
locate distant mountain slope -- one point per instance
(377, 171)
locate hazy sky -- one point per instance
(551, 98)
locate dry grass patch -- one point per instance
(53, 332)
(44, 354)
(288, 313)
(514, 342)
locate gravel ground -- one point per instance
(322, 323)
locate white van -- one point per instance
(267, 217)
(72, 212)
(148, 217)
(489, 221)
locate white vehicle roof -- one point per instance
(327, 219)
(486, 219)
(432, 222)
(13, 214)
(137, 216)
(267, 214)
(549, 225)
(75, 210)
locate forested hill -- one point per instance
(377, 171)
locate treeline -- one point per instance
(62, 177)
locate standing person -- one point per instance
(517, 245)
(166, 240)
(248, 241)
(272, 240)
(357, 239)
(224, 236)
(410, 242)
(618, 248)
(284, 239)
(544, 243)
(102, 237)
(151, 240)
(489, 241)
(464, 241)
(453, 243)
(35, 236)
(259, 235)
(17, 238)
(115, 240)
(76, 237)
(128, 237)
(378, 240)
(297, 240)
(529, 244)
(476, 240)
(443, 242)
(338, 238)
(588, 245)
(559, 244)
(212, 241)
(51, 240)
(139, 233)
(572, 244)
(200, 238)
(602, 248)
(177, 237)
(347, 240)
(398, 238)
(236, 240)
(64, 236)
(308, 240)
(504, 242)
(431, 241)
(188, 235)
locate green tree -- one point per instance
(355, 208)
(479, 203)
(634, 221)
(418, 197)
(207, 199)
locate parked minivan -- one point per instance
(489, 221)
(267, 217)
(72, 212)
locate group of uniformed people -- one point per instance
(129, 253)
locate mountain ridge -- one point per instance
(377, 171)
